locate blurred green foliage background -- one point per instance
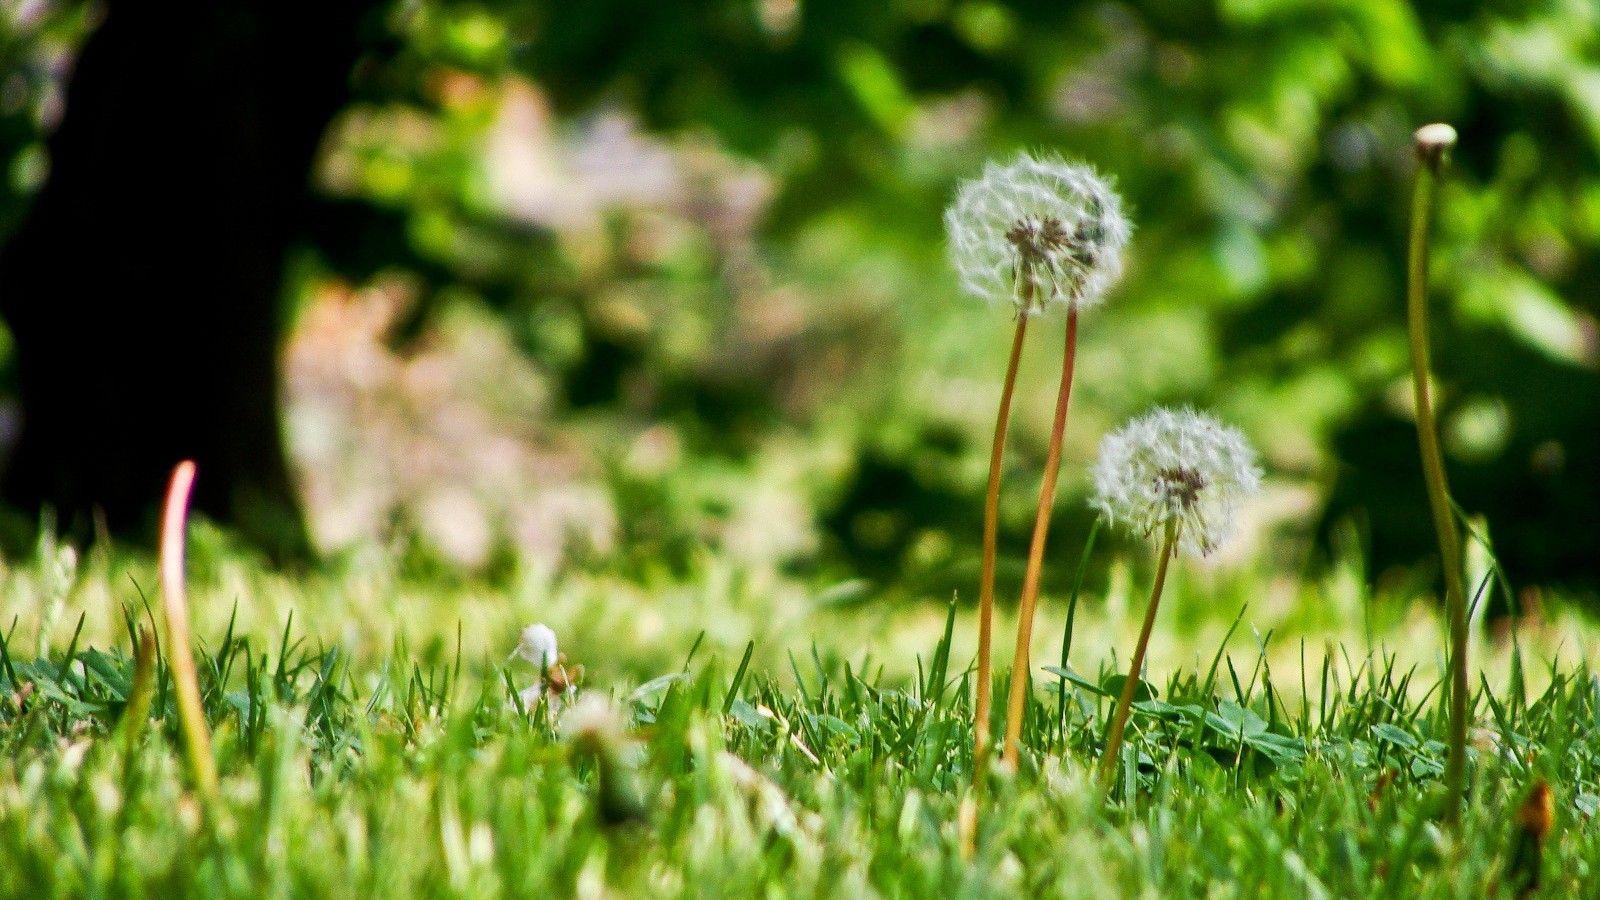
(672, 274)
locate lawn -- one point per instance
(738, 733)
(841, 449)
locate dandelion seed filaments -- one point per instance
(594, 719)
(537, 645)
(1037, 231)
(1176, 466)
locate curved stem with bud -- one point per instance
(1432, 144)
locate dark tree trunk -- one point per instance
(143, 289)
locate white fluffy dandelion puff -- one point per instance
(1037, 231)
(593, 720)
(1176, 467)
(537, 645)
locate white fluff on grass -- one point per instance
(1176, 466)
(531, 695)
(538, 645)
(593, 718)
(1057, 226)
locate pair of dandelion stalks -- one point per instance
(1033, 235)
(1042, 233)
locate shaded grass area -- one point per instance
(827, 774)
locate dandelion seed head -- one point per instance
(1176, 466)
(538, 645)
(1035, 232)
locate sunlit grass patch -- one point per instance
(377, 757)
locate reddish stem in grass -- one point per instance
(1020, 680)
(1119, 718)
(981, 739)
(991, 530)
(180, 656)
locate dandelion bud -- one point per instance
(1037, 231)
(1176, 467)
(538, 645)
(1434, 141)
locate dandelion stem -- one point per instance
(991, 529)
(1020, 681)
(1432, 142)
(180, 655)
(1119, 717)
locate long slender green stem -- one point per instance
(180, 652)
(991, 531)
(1016, 701)
(1119, 716)
(1432, 142)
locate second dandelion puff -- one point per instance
(1175, 466)
(1181, 475)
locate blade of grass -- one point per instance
(1066, 630)
(137, 712)
(738, 677)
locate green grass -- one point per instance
(764, 744)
